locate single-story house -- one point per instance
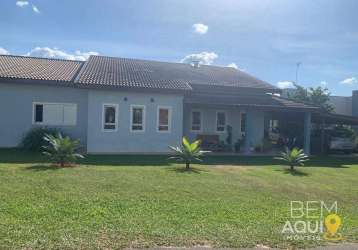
(120, 105)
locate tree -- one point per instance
(62, 150)
(188, 152)
(315, 96)
(293, 157)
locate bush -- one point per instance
(34, 138)
(62, 150)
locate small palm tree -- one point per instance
(62, 150)
(188, 152)
(294, 157)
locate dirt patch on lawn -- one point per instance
(233, 168)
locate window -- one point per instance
(243, 122)
(164, 119)
(196, 121)
(137, 118)
(56, 114)
(39, 113)
(110, 117)
(220, 121)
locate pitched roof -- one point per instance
(31, 68)
(264, 101)
(110, 71)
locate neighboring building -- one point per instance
(118, 105)
(342, 104)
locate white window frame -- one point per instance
(34, 122)
(216, 121)
(115, 105)
(169, 108)
(131, 117)
(191, 121)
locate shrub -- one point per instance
(62, 150)
(188, 152)
(34, 138)
(293, 157)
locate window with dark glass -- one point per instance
(196, 121)
(163, 119)
(220, 121)
(243, 122)
(39, 112)
(110, 120)
(137, 118)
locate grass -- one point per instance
(129, 201)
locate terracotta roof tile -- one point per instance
(100, 70)
(20, 67)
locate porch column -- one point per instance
(254, 134)
(307, 133)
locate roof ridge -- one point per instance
(42, 58)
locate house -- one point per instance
(120, 105)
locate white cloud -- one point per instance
(234, 65)
(324, 83)
(3, 51)
(60, 54)
(349, 81)
(203, 58)
(22, 3)
(200, 28)
(285, 84)
(35, 9)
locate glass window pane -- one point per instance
(243, 122)
(196, 118)
(163, 116)
(109, 126)
(39, 113)
(110, 114)
(163, 128)
(221, 118)
(137, 115)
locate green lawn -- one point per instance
(144, 201)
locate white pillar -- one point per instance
(307, 133)
(254, 133)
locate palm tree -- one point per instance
(188, 152)
(62, 150)
(294, 157)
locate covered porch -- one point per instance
(247, 124)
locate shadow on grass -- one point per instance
(185, 170)
(292, 172)
(43, 167)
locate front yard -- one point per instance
(130, 201)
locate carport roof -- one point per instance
(331, 118)
(268, 101)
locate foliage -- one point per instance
(62, 150)
(293, 157)
(315, 96)
(34, 138)
(188, 152)
(342, 132)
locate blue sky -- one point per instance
(264, 38)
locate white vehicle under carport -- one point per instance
(340, 144)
